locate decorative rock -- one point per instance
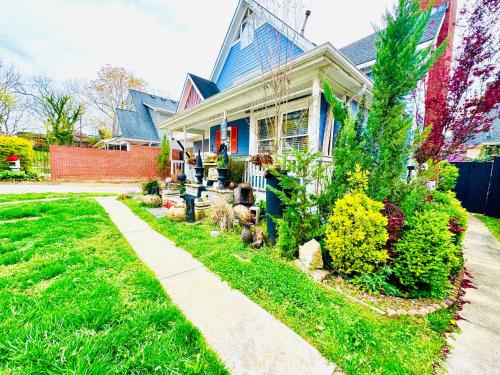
(151, 200)
(319, 275)
(258, 238)
(301, 266)
(401, 312)
(412, 312)
(243, 213)
(246, 234)
(214, 233)
(310, 255)
(177, 213)
(391, 313)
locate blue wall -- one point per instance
(243, 126)
(241, 62)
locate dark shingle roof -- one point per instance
(134, 126)
(205, 87)
(492, 135)
(364, 50)
(154, 101)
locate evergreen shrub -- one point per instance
(16, 146)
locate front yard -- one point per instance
(354, 337)
(74, 298)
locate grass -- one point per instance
(74, 298)
(31, 196)
(492, 223)
(354, 337)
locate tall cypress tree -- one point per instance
(398, 68)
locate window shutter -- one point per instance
(217, 140)
(234, 140)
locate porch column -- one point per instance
(314, 115)
(253, 149)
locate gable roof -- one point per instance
(269, 17)
(364, 50)
(153, 101)
(205, 87)
(134, 126)
(138, 124)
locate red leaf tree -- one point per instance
(471, 91)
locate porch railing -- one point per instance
(255, 176)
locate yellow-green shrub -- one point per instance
(16, 146)
(356, 234)
(426, 255)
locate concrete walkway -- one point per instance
(476, 350)
(247, 338)
(74, 187)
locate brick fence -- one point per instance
(75, 163)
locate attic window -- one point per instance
(246, 30)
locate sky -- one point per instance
(158, 40)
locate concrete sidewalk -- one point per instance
(73, 187)
(247, 338)
(476, 350)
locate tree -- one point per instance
(11, 107)
(110, 89)
(473, 87)
(398, 69)
(164, 156)
(62, 117)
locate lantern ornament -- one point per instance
(14, 162)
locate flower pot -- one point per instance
(222, 174)
(274, 208)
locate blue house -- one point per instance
(267, 85)
(138, 123)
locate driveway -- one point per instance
(70, 187)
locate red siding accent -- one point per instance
(217, 140)
(234, 139)
(192, 99)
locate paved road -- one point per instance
(476, 350)
(247, 338)
(73, 187)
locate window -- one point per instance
(246, 30)
(295, 130)
(265, 135)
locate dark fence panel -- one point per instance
(493, 200)
(477, 188)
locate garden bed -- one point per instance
(354, 337)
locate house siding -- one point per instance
(241, 62)
(243, 126)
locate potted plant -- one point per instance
(222, 170)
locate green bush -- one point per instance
(356, 234)
(236, 171)
(447, 176)
(18, 147)
(9, 175)
(151, 187)
(424, 255)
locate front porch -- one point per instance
(304, 118)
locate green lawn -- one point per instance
(352, 336)
(74, 298)
(492, 223)
(32, 196)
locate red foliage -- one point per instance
(473, 88)
(395, 222)
(454, 227)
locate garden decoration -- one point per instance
(222, 163)
(262, 158)
(189, 199)
(199, 169)
(274, 208)
(14, 162)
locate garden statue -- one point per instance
(199, 169)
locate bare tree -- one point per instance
(110, 89)
(11, 107)
(275, 51)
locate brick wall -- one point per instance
(75, 163)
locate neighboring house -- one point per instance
(474, 147)
(138, 123)
(256, 42)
